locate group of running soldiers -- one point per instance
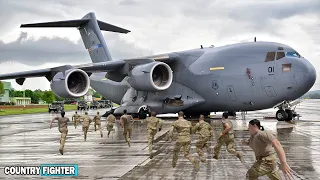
(262, 142)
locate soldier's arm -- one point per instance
(195, 128)
(227, 126)
(160, 124)
(55, 118)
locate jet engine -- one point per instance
(155, 76)
(70, 84)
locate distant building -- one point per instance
(7, 87)
(21, 100)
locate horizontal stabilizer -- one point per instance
(76, 23)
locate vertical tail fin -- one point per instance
(90, 30)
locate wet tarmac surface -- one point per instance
(28, 140)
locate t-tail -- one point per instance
(90, 30)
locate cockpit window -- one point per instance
(292, 54)
(280, 55)
(270, 56)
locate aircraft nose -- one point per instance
(307, 74)
(311, 74)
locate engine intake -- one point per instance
(155, 76)
(73, 83)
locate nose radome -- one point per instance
(310, 74)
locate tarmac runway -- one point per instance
(28, 140)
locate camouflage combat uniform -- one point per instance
(86, 120)
(111, 120)
(63, 129)
(97, 122)
(204, 135)
(126, 121)
(152, 124)
(75, 119)
(184, 129)
(266, 161)
(227, 139)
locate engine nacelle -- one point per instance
(155, 76)
(71, 84)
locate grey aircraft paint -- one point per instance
(236, 77)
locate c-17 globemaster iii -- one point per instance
(238, 77)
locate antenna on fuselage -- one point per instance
(255, 39)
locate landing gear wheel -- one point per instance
(290, 115)
(281, 115)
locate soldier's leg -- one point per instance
(217, 148)
(231, 149)
(207, 146)
(186, 149)
(267, 166)
(85, 130)
(63, 140)
(99, 126)
(176, 154)
(95, 127)
(199, 145)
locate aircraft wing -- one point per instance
(89, 68)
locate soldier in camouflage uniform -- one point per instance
(152, 124)
(63, 129)
(263, 144)
(75, 119)
(205, 134)
(184, 129)
(97, 122)
(126, 122)
(111, 120)
(227, 137)
(86, 120)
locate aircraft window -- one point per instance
(293, 54)
(270, 56)
(286, 67)
(280, 55)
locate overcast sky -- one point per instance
(156, 27)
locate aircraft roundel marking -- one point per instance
(215, 84)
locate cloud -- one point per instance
(158, 27)
(34, 52)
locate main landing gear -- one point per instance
(285, 112)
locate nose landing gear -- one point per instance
(285, 112)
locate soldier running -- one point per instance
(227, 137)
(184, 129)
(152, 124)
(75, 119)
(205, 134)
(263, 144)
(86, 120)
(97, 122)
(126, 122)
(111, 120)
(63, 129)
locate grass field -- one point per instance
(5, 112)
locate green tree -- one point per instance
(37, 95)
(1, 88)
(96, 95)
(48, 96)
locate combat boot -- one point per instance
(215, 156)
(61, 151)
(240, 156)
(196, 164)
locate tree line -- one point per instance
(37, 95)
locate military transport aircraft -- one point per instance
(239, 77)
